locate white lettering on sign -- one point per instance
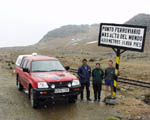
(124, 36)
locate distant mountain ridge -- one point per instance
(89, 32)
(140, 19)
(66, 31)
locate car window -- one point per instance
(28, 65)
(24, 64)
(18, 62)
(46, 66)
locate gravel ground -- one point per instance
(15, 105)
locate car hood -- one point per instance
(53, 76)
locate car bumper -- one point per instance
(43, 94)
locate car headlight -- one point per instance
(42, 85)
(53, 86)
(69, 84)
(75, 82)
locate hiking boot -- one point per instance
(88, 99)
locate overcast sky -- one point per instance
(25, 22)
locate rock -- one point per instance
(147, 99)
(120, 96)
(92, 60)
(113, 118)
(122, 89)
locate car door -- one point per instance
(27, 75)
(23, 74)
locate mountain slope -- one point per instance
(66, 31)
(140, 19)
(70, 35)
(73, 30)
(77, 37)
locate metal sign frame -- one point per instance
(121, 47)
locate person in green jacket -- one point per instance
(97, 75)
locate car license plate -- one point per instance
(63, 90)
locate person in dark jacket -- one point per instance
(109, 77)
(97, 75)
(84, 73)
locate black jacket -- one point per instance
(84, 74)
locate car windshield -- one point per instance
(47, 66)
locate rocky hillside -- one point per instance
(70, 35)
(66, 31)
(140, 19)
(74, 30)
(77, 37)
(144, 20)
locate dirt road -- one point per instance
(15, 105)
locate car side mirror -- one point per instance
(26, 70)
(67, 68)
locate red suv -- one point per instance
(45, 78)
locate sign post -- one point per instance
(116, 71)
(121, 37)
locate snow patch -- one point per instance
(91, 42)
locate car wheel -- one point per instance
(20, 87)
(33, 101)
(72, 99)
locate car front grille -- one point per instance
(59, 84)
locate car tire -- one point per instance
(72, 99)
(33, 100)
(20, 87)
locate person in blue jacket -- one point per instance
(84, 73)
